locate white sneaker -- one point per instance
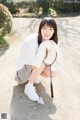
(30, 91)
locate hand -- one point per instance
(52, 42)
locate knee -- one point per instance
(53, 73)
(46, 72)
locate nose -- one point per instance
(47, 31)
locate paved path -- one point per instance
(66, 103)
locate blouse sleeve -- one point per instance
(26, 55)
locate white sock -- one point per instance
(30, 84)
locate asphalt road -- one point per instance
(66, 102)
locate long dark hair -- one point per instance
(50, 22)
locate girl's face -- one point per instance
(46, 32)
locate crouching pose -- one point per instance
(30, 64)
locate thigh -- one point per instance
(46, 72)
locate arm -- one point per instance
(41, 53)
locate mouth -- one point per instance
(46, 35)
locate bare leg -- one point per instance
(46, 72)
(43, 70)
(35, 73)
(30, 89)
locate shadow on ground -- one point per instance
(4, 49)
(24, 109)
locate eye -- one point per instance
(44, 27)
(51, 29)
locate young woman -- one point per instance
(30, 64)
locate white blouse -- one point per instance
(33, 55)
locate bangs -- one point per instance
(49, 23)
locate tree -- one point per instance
(5, 20)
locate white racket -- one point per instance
(49, 61)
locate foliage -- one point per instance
(67, 7)
(45, 4)
(5, 20)
(38, 7)
(11, 6)
(3, 42)
(51, 11)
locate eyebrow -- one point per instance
(48, 26)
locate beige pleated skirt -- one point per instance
(23, 74)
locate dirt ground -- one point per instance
(66, 102)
